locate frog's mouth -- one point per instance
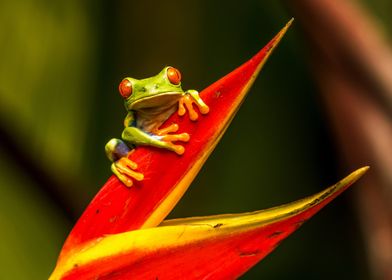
(166, 99)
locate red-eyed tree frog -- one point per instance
(149, 102)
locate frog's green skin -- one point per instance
(152, 101)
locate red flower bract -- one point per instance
(117, 209)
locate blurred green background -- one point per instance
(61, 62)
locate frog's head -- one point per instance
(160, 90)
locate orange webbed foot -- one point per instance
(124, 169)
(186, 103)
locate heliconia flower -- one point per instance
(121, 234)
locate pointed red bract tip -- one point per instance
(117, 209)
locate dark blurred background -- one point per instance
(61, 62)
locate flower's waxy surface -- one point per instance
(215, 247)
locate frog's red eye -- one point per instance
(125, 88)
(173, 75)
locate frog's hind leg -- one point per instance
(117, 151)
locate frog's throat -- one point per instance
(150, 119)
(155, 101)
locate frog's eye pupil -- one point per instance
(125, 88)
(174, 75)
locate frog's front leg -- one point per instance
(117, 151)
(136, 136)
(190, 97)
